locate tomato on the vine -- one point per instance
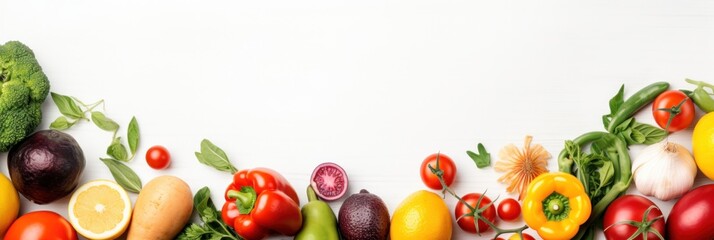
(509, 209)
(467, 222)
(631, 208)
(158, 157)
(445, 164)
(41, 225)
(666, 101)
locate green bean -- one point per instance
(636, 102)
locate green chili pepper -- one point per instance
(320, 222)
(701, 97)
(636, 102)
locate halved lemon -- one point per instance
(100, 209)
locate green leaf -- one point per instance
(651, 133)
(103, 122)
(606, 172)
(606, 120)
(123, 175)
(61, 123)
(617, 101)
(133, 135)
(482, 159)
(117, 150)
(213, 156)
(67, 106)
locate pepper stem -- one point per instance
(556, 207)
(245, 199)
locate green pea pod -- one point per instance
(320, 222)
(701, 97)
(636, 102)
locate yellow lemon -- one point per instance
(422, 215)
(703, 144)
(10, 204)
(100, 209)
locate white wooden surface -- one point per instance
(375, 86)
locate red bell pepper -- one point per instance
(265, 203)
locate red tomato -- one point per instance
(525, 237)
(630, 208)
(691, 216)
(158, 157)
(668, 100)
(509, 209)
(445, 164)
(41, 225)
(467, 223)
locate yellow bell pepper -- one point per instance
(556, 205)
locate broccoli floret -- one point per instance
(23, 88)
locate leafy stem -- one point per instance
(475, 212)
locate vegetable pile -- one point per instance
(585, 198)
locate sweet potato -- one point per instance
(162, 209)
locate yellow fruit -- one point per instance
(100, 209)
(422, 215)
(10, 205)
(703, 144)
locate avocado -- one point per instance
(363, 216)
(46, 166)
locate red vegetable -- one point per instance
(691, 216)
(265, 202)
(41, 225)
(158, 157)
(445, 164)
(509, 209)
(467, 223)
(665, 102)
(628, 210)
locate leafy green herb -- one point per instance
(124, 176)
(631, 131)
(213, 227)
(132, 135)
(76, 110)
(67, 106)
(61, 123)
(117, 150)
(213, 156)
(104, 122)
(482, 159)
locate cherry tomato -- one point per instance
(668, 100)
(526, 236)
(467, 223)
(509, 209)
(630, 208)
(158, 157)
(41, 225)
(445, 164)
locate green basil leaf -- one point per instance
(61, 123)
(617, 101)
(213, 156)
(606, 172)
(133, 135)
(67, 106)
(123, 175)
(651, 133)
(103, 122)
(482, 159)
(117, 150)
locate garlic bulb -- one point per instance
(664, 170)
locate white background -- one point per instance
(374, 86)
